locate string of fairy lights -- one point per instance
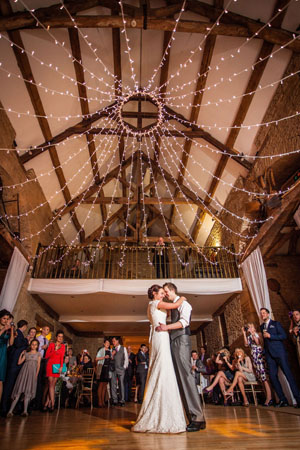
(114, 95)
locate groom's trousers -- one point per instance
(181, 354)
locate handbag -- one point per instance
(56, 367)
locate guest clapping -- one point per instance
(243, 371)
(55, 355)
(254, 340)
(27, 379)
(7, 335)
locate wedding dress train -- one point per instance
(162, 410)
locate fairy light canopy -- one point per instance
(115, 103)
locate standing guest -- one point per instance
(75, 271)
(31, 334)
(160, 259)
(254, 340)
(41, 385)
(72, 361)
(55, 356)
(142, 370)
(295, 330)
(27, 379)
(203, 355)
(120, 358)
(243, 371)
(276, 356)
(13, 369)
(103, 358)
(129, 373)
(197, 368)
(5, 338)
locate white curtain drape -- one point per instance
(210, 286)
(256, 279)
(14, 279)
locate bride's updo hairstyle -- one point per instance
(154, 288)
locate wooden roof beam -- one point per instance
(24, 66)
(82, 92)
(201, 82)
(87, 193)
(272, 35)
(242, 111)
(93, 236)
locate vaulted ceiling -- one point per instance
(133, 127)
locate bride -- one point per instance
(162, 410)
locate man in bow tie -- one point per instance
(276, 356)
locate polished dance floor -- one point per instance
(230, 427)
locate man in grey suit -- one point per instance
(120, 357)
(181, 354)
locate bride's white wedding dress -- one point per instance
(162, 410)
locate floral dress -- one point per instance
(258, 360)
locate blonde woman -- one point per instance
(242, 366)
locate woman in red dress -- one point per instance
(55, 355)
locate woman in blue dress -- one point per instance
(5, 338)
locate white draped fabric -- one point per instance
(256, 279)
(202, 286)
(14, 279)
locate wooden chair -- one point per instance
(85, 387)
(57, 391)
(252, 387)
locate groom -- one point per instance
(181, 354)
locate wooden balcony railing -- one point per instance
(134, 262)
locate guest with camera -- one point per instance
(55, 359)
(276, 356)
(295, 330)
(254, 340)
(243, 371)
(224, 375)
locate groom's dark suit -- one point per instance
(181, 354)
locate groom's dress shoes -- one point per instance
(196, 426)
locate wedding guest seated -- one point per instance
(7, 335)
(254, 340)
(26, 382)
(86, 363)
(224, 375)
(243, 371)
(198, 368)
(295, 330)
(211, 367)
(70, 359)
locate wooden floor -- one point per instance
(230, 427)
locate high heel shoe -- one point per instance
(228, 394)
(270, 403)
(246, 404)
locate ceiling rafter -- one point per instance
(95, 234)
(82, 92)
(272, 35)
(24, 66)
(87, 193)
(252, 85)
(199, 90)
